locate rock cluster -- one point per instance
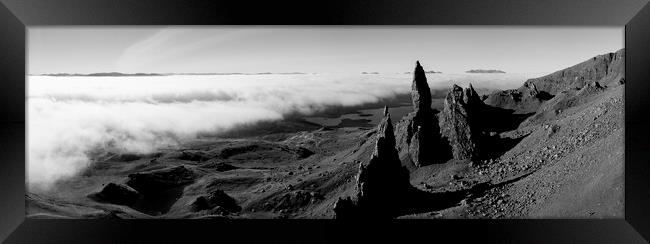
(424, 138)
(383, 188)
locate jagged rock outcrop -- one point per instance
(471, 98)
(418, 135)
(457, 122)
(608, 70)
(590, 89)
(532, 89)
(116, 194)
(382, 183)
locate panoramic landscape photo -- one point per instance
(433, 122)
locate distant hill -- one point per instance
(105, 74)
(166, 74)
(485, 71)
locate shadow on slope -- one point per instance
(496, 119)
(415, 201)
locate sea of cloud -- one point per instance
(71, 117)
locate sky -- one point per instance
(331, 49)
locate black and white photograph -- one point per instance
(325, 122)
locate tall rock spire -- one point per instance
(418, 133)
(420, 93)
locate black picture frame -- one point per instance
(17, 15)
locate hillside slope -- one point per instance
(608, 70)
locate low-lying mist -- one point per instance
(71, 117)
